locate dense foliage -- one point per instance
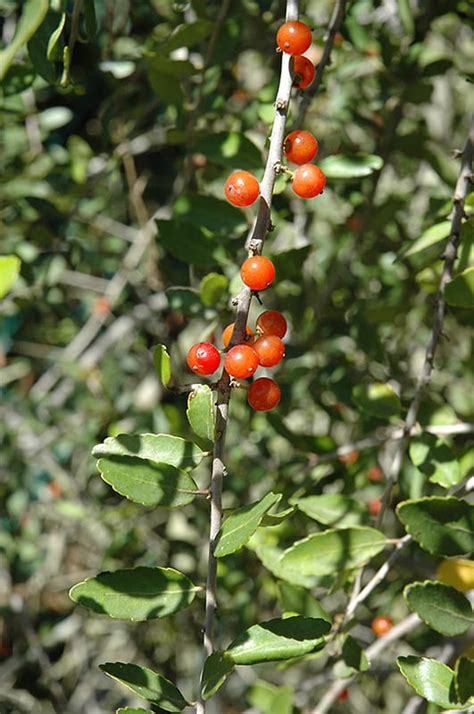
(120, 123)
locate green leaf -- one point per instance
(332, 509)
(274, 519)
(213, 288)
(147, 482)
(301, 602)
(209, 212)
(133, 710)
(269, 699)
(279, 639)
(430, 679)
(459, 292)
(231, 149)
(353, 660)
(187, 243)
(465, 679)
(435, 459)
(377, 399)
(9, 270)
(239, 526)
(441, 607)
(333, 551)
(136, 594)
(90, 18)
(346, 166)
(433, 235)
(163, 448)
(201, 412)
(271, 558)
(54, 39)
(187, 35)
(442, 526)
(38, 47)
(33, 14)
(217, 668)
(147, 684)
(162, 364)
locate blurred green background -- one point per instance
(163, 100)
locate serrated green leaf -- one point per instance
(442, 526)
(162, 364)
(377, 399)
(459, 291)
(441, 607)
(332, 551)
(9, 270)
(465, 679)
(332, 509)
(147, 684)
(278, 639)
(164, 448)
(33, 14)
(213, 288)
(136, 594)
(147, 482)
(239, 526)
(347, 166)
(201, 412)
(217, 668)
(430, 679)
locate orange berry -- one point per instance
(303, 72)
(257, 272)
(264, 394)
(375, 474)
(241, 361)
(228, 331)
(272, 322)
(294, 37)
(241, 188)
(102, 306)
(381, 625)
(270, 350)
(308, 181)
(374, 506)
(300, 147)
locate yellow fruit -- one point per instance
(459, 573)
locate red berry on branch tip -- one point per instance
(263, 394)
(203, 358)
(257, 272)
(293, 37)
(241, 188)
(308, 181)
(241, 361)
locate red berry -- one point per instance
(308, 181)
(300, 147)
(241, 361)
(257, 272)
(228, 331)
(294, 37)
(271, 322)
(241, 188)
(344, 696)
(203, 358)
(303, 72)
(349, 459)
(381, 625)
(270, 350)
(264, 394)
(374, 506)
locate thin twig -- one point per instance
(396, 633)
(335, 23)
(254, 245)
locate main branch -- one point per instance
(254, 245)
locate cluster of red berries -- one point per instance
(300, 147)
(265, 349)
